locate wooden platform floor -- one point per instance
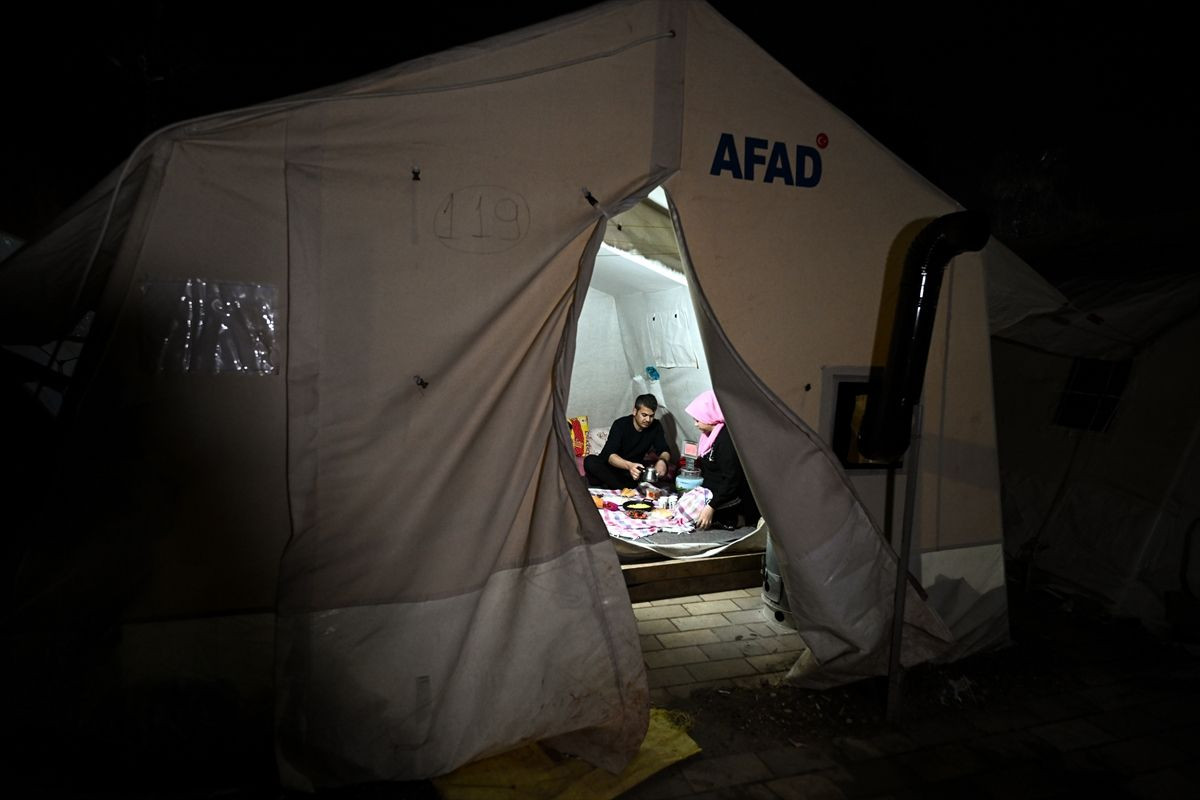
(658, 580)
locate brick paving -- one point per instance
(1117, 720)
(711, 640)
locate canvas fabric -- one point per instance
(401, 493)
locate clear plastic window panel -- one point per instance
(210, 327)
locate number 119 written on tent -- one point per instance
(481, 219)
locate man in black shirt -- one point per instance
(630, 439)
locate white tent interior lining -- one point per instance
(638, 314)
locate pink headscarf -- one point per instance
(705, 408)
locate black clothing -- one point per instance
(630, 444)
(725, 478)
(601, 473)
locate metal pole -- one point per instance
(895, 669)
(889, 506)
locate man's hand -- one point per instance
(706, 515)
(635, 470)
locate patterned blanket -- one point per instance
(681, 520)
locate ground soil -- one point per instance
(1056, 641)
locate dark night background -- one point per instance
(1071, 127)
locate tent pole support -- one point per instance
(889, 506)
(895, 668)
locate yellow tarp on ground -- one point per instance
(533, 773)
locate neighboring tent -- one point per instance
(1099, 435)
(320, 414)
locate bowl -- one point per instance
(637, 509)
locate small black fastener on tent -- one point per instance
(416, 173)
(892, 420)
(419, 381)
(588, 196)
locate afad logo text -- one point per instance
(793, 166)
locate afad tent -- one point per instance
(320, 414)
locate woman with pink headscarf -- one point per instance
(722, 470)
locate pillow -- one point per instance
(597, 438)
(579, 435)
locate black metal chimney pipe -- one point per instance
(886, 427)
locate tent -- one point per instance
(317, 421)
(1100, 441)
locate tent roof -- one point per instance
(619, 273)
(1109, 318)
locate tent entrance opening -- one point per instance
(637, 336)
